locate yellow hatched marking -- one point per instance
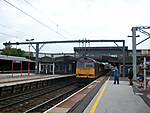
(93, 109)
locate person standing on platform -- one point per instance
(116, 75)
(130, 76)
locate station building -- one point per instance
(64, 63)
(60, 65)
(115, 55)
(15, 64)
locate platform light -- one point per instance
(29, 57)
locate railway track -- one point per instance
(24, 101)
(38, 100)
(51, 102)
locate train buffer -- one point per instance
(119, 98)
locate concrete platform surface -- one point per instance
(8, 80)
(118, 98)
(65, 105)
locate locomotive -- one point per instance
(88, 69)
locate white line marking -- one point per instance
(139, 93)
(90, 86)
(68, 98)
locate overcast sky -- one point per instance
(76, 19)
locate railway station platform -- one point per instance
(12, 85)
(117, 98)
(105, 97)
(8, 78)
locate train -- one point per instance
(88, 69)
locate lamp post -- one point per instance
(29, 40)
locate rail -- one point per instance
(44, 106)
(10, 102)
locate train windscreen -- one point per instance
(85, 65)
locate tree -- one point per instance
(13, 52)
(26, 54)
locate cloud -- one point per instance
(93, 19)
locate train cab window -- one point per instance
(80, 65)
(89, 65)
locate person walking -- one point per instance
(130, 76)
(116, 75)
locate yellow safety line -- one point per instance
(93, 109)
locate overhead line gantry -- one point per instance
(37, 49)
(140, 29)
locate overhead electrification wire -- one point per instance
(41, 12)
(7, 34)
(43, 24)
(7, 27)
